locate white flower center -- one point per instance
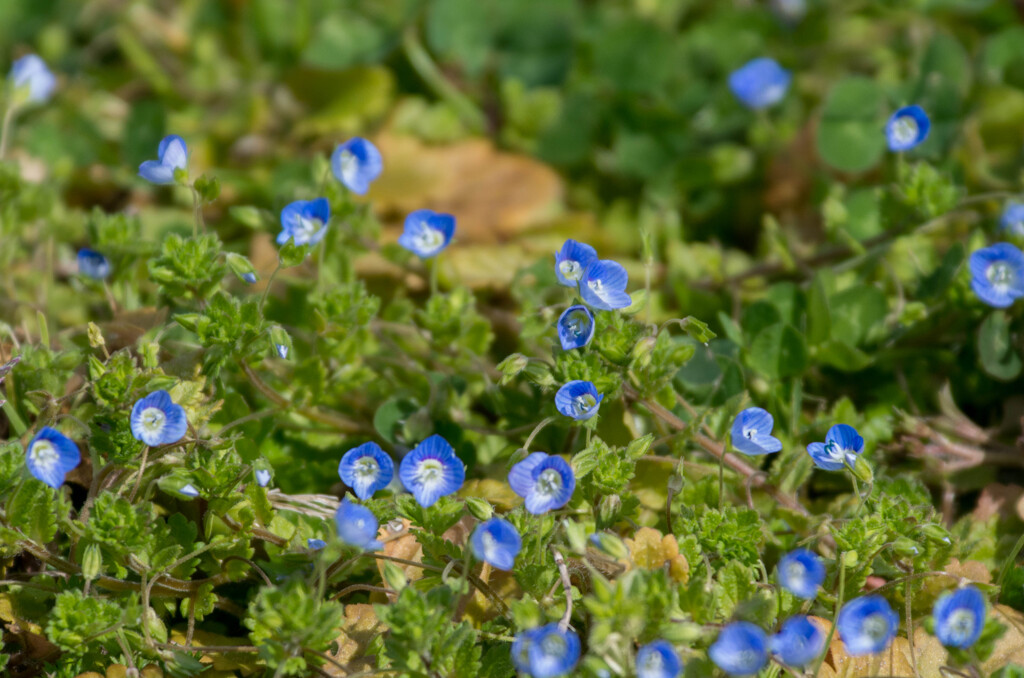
(875, 626)
(430, 472)
(349, 166)
(305, 229)
(44, 454)
(835, 452)
(654, 662)
(904, 130)
(490, 545)
(570, 270)
(796, 573)
(961, 623)
(1000, 274)
(553, 645)
(153, 419)
(429, 239)
(584, 403)
(596, 285)
(750, 433)
(366, 468)
(549, 482)
(576, 323)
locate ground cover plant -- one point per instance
(480, 338)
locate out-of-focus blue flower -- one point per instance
(262, 477)
(959, 617)
(357, 526)
(93, 264)
(31, 80)
(760, 83)
(572, 260)
(604, 285)
(51, 455)
(304, 221)
(578, 399)
(997, 274)
(315, 544)
(798, 642)
(356, 163)
(546, 651)
(841, 447)
(908, 127)
(366, 469)
(545, 481)
(658, 660)
(173, 154)
(427, 232)
(741, 649)
(1012, 219)
(752, 432)
(867, 625)
(575, 327)
(189, 490)
(432, 471)
(249, 277)
(158, 420)
(497, 543)
(801, 572)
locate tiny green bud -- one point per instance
(241, 267)
(540, 374)
(150, 352)
(610, 545)
(642, 352)
(95, 336)
(92, 562)
(190, 321)
(208, 188)
(181, 176)
(511, 366)
(394, 576)
(936, 533)
(480, 509)
(862, 469)
(905, 547)
(850, 559)
(609, 508)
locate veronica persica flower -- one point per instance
(497, 543)
(572, 260)
(158, 420)
(545, 481)
(366, 469)
(189, 490)
(546, 651)
(262, 477)
(997, 274)
(801, 572)
(575, 327)
(867, 625)
(959, 617)
(432, 471)
(603, 285)
(50, 456)
(427, 232)
(31, 80)
(304, 221)
(752, 432)
(1012, 219)
(578, 399)
(249, 277)
(741, 649)
(356, 163)
(798, 642)
(658, 660)
(841, 447)
(760, 83)
(172, 154)
(315, 544)
(357, 526)
(908, 127)
(93, 264)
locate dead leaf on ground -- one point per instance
(236, 663)
(1006, 501)
(399, 542)
(651, 550)
(360, 628)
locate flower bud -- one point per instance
(480, 509)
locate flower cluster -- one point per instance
(601, 282)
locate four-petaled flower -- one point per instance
(1012, 219)
(867, 625)
(578, 399)
(603, 285)
(158, 420)
(752, 432)
(801, 572)
(262, 477)
(841, 447)
(572, 260)
(575, 327)
(959, 617)
(427, 232)
(31, 80)
(173, 154)
(741, 649)
(658, 660)
(432, 471)
(760, 83)
(798, 642)
(93, 264)
(50, 456)
(304, 222)
(357, 526)
(356, 163)
(497, 543)
(315, 544)
(545, 481)
(546, 651)
(366, 469)
(907, 128)
(997, 274)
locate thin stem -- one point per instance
(533, 434)
(142, 468)
(563, 572)
(425, 67)
(197, 208)
(5, 128)
(433, 276)
(270, 281)
(835, 616)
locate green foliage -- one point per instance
(421, 639)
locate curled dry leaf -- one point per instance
(651, 550)
(360, 628)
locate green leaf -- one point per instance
(819, 321)
(995, 348)
(33, 510)
(843, 356)
(698, 329)
(856, 311)
(779, 351)
(850, 136)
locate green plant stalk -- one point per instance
(835, 616)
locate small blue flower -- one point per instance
(545, 481)
(571, 262)
(173, 154)
(578, 399)
(50, 456)
(158, 420)
(282, 351)
(604, 285)
(366, 469)
(356, 163)
(262, 477)
(867, 625)
(427, 232)
(249, 277)
(304, 221)
(432, 471)
(315, 544)
(575, 327)
(497, 543)
(798, 642)
(752, 432)
(741, 649)
(997, 274)
(93, 264)
(30, 72)
(959, 617)
(357, 526)
(1013, 218)
(189, 490)
(658, 660)
(841, 447)
(546, 651)
(760, 83)
(801, 572)
(907, 128)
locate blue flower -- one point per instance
(760, 83)
(801, 572)
(93, 264)
(741, 649)
(545, 481)
(427, 232)
(867, 625)
(997, 274)
(658, 660)
(304, 221)
(752, 432)
(30, 75)
(1013, 218)
(282, 350)
(546, 651)
(249, 277)
(50, 456)
(790, 10)
(173, 154)
(575, 327)
(158, 420)
(432, 471)
(798, 642)
(315, 544)
(356, 163)
(578, 399)
(497, 543)
(366, 469)
(357, 526)
(189, 490)
(841, 447)
(907, 128)
(262, 477)
(604, 285)
(959, 617)
(571, 262)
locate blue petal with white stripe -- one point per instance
(432, 471)
(51, 455)
(366, 469)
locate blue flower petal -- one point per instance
(575, 327)
(959, 617)
(572, 261)
(658, 660)
(1012, 219)
(760, 83)
(432, 470)
(356, 163)
(846, 437)
(167, 424)
(31, 71)
(822, 459)
(51, 455)
(741, 649)
(801, 572)
(173, 152)
(867, 625)
(997, 274)
(93, 264)
(578, 399)
(553, 483)
(497, 543)
(520, 476)
(156, 172)
(552, 652)
(426, 232)
(751, 432)
(798, 643)
(908, 127)
(357, 526)
(262, 477)
(366, 469)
